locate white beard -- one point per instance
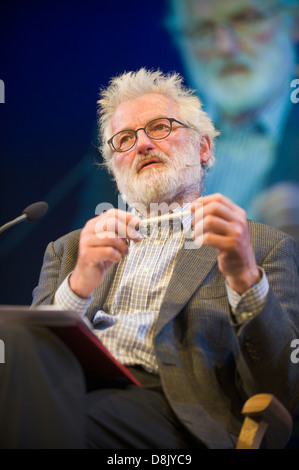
(171, 183)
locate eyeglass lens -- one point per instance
(156, 129)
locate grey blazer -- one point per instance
(208, 365)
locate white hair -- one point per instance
(131, 85)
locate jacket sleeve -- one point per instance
(265, 361)
(59, 260)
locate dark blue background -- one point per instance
(54, 57)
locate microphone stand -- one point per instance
(16, 221)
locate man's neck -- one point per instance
(167, 205)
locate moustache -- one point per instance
(161, 157)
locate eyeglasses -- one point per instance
(157, 129)
(245, 24)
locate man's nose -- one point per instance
(144, 143)
(226, 41)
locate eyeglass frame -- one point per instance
(192, 33)
(171, 120)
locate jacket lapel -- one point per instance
(192, 266)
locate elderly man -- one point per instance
(240, 55)
(202, 311)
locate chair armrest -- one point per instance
(265, 417)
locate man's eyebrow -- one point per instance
(140, 127)
(239, 14)
(235, 13)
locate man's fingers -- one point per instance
(108, 239)
(217, 198)
(219, 222)
(217, 205)
(214, 224)
(104, 254)
(122, 223)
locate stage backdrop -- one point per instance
(55, 55)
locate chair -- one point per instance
(265, 419)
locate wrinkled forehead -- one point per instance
(209, 9)
(136, 112)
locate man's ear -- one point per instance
(205, 148)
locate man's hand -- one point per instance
(220, 223)
(102, 243)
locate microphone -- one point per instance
(33, 212)
(189, 165)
